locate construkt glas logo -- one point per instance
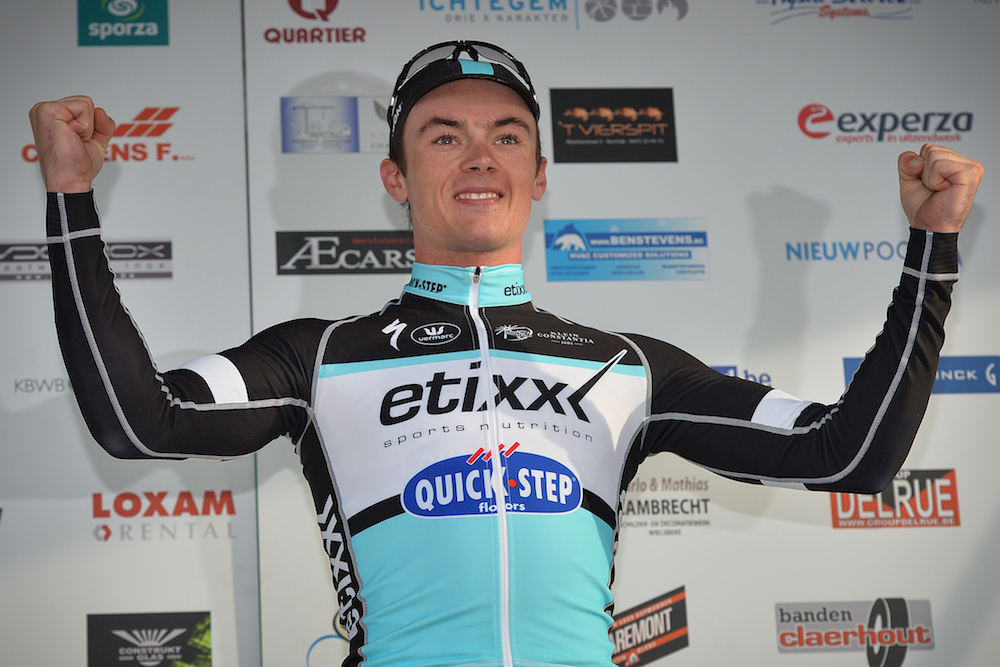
(123, 23)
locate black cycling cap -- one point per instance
(441, 63)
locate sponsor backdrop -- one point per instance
(722, 176)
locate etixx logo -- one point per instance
(470, 485)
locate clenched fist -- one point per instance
(71, 136)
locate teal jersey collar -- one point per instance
(498, 285)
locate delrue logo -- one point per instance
(637, 10)
(651, 630)
(499, 11)
(318, 11)
(172, 517)
(915, 499)
(149, 639)
(467, 485)
(666, 515)
(884, 629)
(122, 23)
(883, 10)
(955, 375)
(334, 125)
(613, 125)
(131, 140)
(321, 253)
(817, 121)
(128, 259)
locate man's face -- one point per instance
(471, 173)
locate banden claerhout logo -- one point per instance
(915, 499)
(468, 485)
(651, 630)
(954, 375)
(318, 30)
(162, 516)
(883, 10)
(817, 121)
(178, 638)
(885, 629)
(128, 259)
(123, 23)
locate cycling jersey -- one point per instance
(468, 453)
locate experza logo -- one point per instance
(446, 394)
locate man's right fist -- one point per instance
(71, 136)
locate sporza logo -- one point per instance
(122, 23)
(886, 10)
(470, 485)
(872, 127)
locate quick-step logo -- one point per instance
(465, 485)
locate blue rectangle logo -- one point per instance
(627, 249)
(955, 375)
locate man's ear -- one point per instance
(393, 181)
(541, 182)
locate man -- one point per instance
(468, 476)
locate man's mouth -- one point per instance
(478, 195)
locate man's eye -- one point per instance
(445, 140)
(508, 139)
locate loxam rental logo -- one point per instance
(817, 121)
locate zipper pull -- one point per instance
(478, 274)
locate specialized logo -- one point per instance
(627, 249)
(448, 394)
(128, 259)
(513, 332)
(637, 10)
(314, 10)
(334, 125)
(817, 121)
(954, 375)
(393, 329)
(651, 630)
(883, 10)
(149, 639)
(471, 485)
(438, 333)
(885, 629)
(153, 516)
(122, 23)
(915, 499)
(319, 253)
(614, 125)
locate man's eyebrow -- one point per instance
(438, 121)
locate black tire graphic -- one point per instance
(888, 613)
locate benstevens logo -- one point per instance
(467, 485)
(870, 127)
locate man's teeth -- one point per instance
(478, 195)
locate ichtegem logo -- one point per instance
(915, 499)
(316, 33)
(122, 23)
(817, 121)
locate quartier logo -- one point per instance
(130, 142)
(817, 121)
(603, 11)
(159, 516)
(123, 23)
(915, 499)
(883, 10)
(650, 630)
(315, 10)
(884, 629)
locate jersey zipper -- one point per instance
(498, 480)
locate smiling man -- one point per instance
(467, 473)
